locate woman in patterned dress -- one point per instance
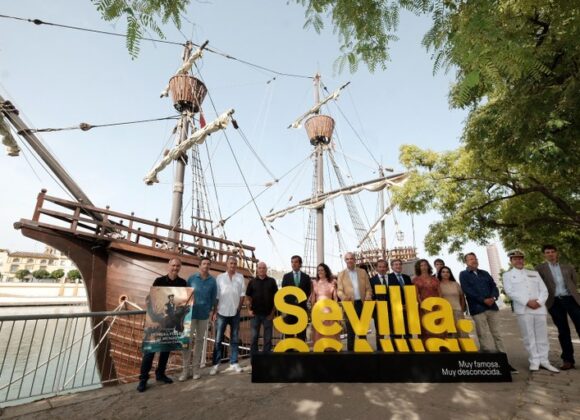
(427, 286)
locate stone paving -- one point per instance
(540, 395)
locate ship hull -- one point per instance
(118, 272)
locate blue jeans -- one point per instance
(257, 321)
(221, 323)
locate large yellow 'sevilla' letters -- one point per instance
(439, 318)
(319, 315)
(360, 326)
(290, 309)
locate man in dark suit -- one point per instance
(377, 280)
(398, 279)
(563, 300)
(299, 279)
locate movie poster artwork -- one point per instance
(168, 319)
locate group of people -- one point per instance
(552, 288)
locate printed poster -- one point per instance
(168, 319)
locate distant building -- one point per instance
(494, 262)
(49, 260)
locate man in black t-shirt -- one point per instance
(172, 279)
(260, 297)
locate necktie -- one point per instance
(401, 281)
(382, 279)
(296, 279)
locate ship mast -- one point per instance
(11, 114)
(319, 183)
(179, 176)
(382, 211)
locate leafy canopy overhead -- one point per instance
(142, 16)
(516, 172)
(517, 72)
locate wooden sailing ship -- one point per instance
(118, 254)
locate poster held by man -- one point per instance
(168, 319)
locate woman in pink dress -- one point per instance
(452, 292)
(324, 287)
(427, 286)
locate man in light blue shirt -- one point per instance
(205, 291)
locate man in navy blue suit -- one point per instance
(398, 279)
(299, 279)
(377, 280)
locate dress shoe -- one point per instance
(548, 366)
(165, 379)
(567, 366)
(142, 386)
(534, 367)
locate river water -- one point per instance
(44, 357)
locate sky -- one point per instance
(59, 78)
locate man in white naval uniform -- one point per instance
(528, 293)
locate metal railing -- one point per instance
(44, 355)
(53, 354)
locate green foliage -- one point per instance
(57, 274)
(74, 275)
(141, 16)
(516, 173)
(22, 274)
(365, 27)
(41, 274)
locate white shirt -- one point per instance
(525, 285)
(355, 286)
(229, 293)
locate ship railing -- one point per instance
(74, 218)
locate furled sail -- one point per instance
(12, 148)
(316, 108)
(197, 137)
(319, 200)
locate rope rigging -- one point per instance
(86, 126)
(357, 135)
(39, 22)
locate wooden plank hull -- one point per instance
(116, 271)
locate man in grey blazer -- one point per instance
(563, 300)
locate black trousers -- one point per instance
(358, 305)
(147, 362)
(291, 319)
(562, 308)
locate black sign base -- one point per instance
(380, 367)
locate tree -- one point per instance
(74, 275)
(365, 27)
(57, 274)
(517, 169)
(142, 15)
(41, 274)
(22, 274)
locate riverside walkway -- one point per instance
(232, 396)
